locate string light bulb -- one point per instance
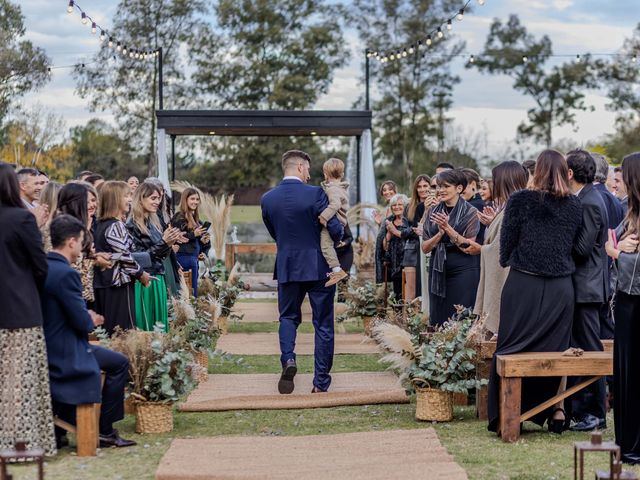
(525, 59)
(411, 49)
(118, 47)
(94, 27)
(472, 59)
(460, 15)
(481, 2)
(102, 36)
(429, 41)
(70, 7)
(110, 42)
(83, 18)
(124, 50)
(404, 52)
(440, 32)
(634, 59)
(449, 25)
(578, 58)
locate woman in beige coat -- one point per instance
(508, 177)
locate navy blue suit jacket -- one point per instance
(290, 212)
(74, 373)
(615, 212)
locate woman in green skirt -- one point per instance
(149, 237)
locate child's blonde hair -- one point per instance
(334, 168)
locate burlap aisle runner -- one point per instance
(269, 344)
(265, 312)
(260, 392)
(395, 454)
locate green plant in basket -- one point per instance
(364, 299)
(446, 360)
(194, 322)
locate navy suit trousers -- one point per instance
(290, 297)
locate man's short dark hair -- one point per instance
(84, 173)
(582, 164)
(472, 176)
(617, 170)
(445, 165)
(42, 172)
(289, 158)
(64, 227)
(23, 173)
(453, 177)
(93, 178)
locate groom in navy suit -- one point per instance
(290, 212)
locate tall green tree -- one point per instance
(128, 87)
(264, 54)
(99, 147)
(557, 92)
(415, 91)
(622, 76)
(23, 66)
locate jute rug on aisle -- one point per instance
(260, 392)
(268, 311)
(395, 454)
(269, 344)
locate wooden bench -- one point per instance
(513, 368)
(233, 249)
(484, 356)
(86, 429)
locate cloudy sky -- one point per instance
(482, 103)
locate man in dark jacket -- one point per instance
(591, 285)
(74, 364)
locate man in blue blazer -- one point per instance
(291, 213)
(74, 364)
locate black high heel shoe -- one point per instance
(556, 425)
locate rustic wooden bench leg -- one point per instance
(483, 371)
(87, 429)
(510, 398)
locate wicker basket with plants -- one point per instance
(195, 321)
(434, 366)
(364, 300)
(161, 373)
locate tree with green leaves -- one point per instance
(264, 54)
(128, 87)
(622, 76)
(414, 91)
(557, 91)
(98, 147)
(23, 66)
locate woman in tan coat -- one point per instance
(508, 177)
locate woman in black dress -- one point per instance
(453, 274)
(626, 354)
(536, 311)
(387, 190)
(397, 228)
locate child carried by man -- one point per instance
(336, 190)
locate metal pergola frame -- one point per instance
(264, 123)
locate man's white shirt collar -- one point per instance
(291, 177)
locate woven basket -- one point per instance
(433, 405)
(154, 417)
(129, 406)
(202, 359)
(223, 325)
(368, 325)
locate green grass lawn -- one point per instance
(246, 214)
(537, 456)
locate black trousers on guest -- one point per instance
(626, 371)
(585, 334)
(116, 369)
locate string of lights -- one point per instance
(578, 58)
(112, 42)
(397, 53)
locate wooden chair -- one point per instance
(86, 429)
(513, 368)
(187, 280)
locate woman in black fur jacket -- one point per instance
(536, 311)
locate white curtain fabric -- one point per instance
(367, 181)
(163, 167)
(351, 172)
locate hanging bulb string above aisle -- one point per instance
(113, 43)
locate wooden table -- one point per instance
(233, 249)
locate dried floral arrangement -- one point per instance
(442, 359)
(224, 288)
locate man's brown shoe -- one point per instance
(335, 277)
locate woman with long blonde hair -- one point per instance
(187, 220)
(148, 236)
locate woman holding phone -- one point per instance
(422, 198)
(148, 237)
(187, 220)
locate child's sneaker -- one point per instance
(335, 277)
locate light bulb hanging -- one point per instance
(70, 7)
(460, 15)
(83, 18)
(440, 32)
(449, 25)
